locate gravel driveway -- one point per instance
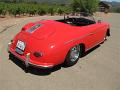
(98, 70)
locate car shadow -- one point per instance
(91, 50)
(39, 71)
(33, 70)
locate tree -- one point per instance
(51, 11)
(32, 11)
(60, 11)
(16, 11)
(87, 6)
(41, 11)
(2, 9)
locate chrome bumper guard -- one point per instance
(27, 59)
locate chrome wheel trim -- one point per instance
(75, 53)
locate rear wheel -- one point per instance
(73, 56)
(107, 34)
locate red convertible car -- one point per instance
(47, 43)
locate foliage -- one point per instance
(116, 10)
(88, 6)
(2, 9)
(41, 11)
(51, 11)
(60, 11)
(31, 9)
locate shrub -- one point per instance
(2, 9)
(117, 10)
(51, 11)
(41, 11)
(60, 11)
(32, 9)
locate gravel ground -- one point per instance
(98, 70)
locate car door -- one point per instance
(89, 36)
(94, 34)
(98, 33)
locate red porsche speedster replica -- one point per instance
(47, 43)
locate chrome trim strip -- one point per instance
(76, 39)
(94, 45)
(35, 65)
(40, 66)
(82, 37)
(96, 32)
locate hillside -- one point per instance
(114, 4)
(40, 1)
(53, 1)
(58, 1)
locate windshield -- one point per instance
(78, 20)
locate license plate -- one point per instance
(20, 45)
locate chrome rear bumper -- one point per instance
(27, 60)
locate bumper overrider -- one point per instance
(26, 59)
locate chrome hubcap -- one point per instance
(74, 53)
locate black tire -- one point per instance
(105, 38)
(26, 69)
(108, 32)
(69, 61)
(107, 35)
(11, 56)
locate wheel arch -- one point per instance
(82, 45)
(108, 32)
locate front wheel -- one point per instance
(73, 56)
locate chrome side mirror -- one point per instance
(99, 21)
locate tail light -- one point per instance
(38, 54)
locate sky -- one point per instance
(111, 0)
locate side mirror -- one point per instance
(99, 21)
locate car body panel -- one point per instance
(54, 39)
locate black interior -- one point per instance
(77, 21)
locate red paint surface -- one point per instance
(54, 39)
